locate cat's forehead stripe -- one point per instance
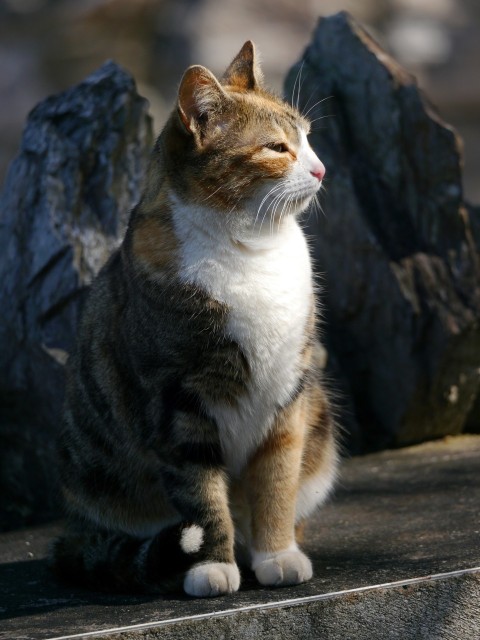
(273, 117)
(271, 106)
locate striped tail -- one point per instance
(119, 562)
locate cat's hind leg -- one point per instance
(320, 456)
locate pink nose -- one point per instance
(318, 171)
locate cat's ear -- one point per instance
(244, 71)
(200, 96)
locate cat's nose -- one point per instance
(318, 171)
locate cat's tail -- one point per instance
(111, 561)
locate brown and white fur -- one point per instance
(196, 420)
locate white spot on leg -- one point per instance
(191, 539)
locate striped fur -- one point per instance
(195, 419)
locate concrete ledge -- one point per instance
(434, 607)
(396, 555)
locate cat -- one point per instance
(196, 426)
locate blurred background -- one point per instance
(48, 45)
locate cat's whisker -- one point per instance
(286, 209)
(285, 206)
(277, 187)
(299, 75)
(317, 207)
(299, 86)
(235, 205)
(305, 115)
(312, 208)
(313, 93)
(212, 194)
(330, 115)
(294, 87)
(296, 201)
(271, 206)
(280, 197)
(320, 208)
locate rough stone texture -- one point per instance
(396, 518)
(438, 610)
(64, 208)
(397, 244)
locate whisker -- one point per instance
(212, 194)
(275, 187)
(234, 206)
(285, 206)
(274, 207)
(319, 207)
(299, 86)
(276, 199)
(274, 212)
(295, 83)
(329, 115)
(316, 104)
(313, 92)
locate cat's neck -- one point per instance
(230, 231)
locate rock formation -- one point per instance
(397, 245)
(66, 201)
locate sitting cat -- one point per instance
(195, 419)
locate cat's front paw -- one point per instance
(212, 579)
(282, 569)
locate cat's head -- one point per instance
(239, 149)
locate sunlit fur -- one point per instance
(196, 424)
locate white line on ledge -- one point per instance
(270, 605)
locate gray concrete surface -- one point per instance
(396, 555)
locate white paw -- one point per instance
(283, 568)
(212, 579)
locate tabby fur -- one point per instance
(196, 429)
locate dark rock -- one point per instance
(397, 244)
(64, 208)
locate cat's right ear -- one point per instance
(200, 96)
(244, 71)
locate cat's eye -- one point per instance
(278, 147)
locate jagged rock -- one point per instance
(64, 208)
(397, 244)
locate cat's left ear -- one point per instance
(244, 71)
(200, 97)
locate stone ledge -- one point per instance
(419, 608)
(396, 555)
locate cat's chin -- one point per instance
(295, 208)
(299, 206)
(279, 219)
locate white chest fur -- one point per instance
(267, 287)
